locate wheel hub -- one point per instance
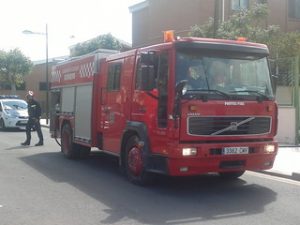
(135, 161)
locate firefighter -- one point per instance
(195, 78)
(34, 112)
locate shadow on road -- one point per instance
(10, 130)
(17, 147)
(169, 201)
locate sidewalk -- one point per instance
(287, 162)
(43, 123)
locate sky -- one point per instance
(69, 22)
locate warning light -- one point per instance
(270, 108)
(192, 108)
(241, 39)
(169, 36)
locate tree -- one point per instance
(106, 41)
(245, 23)
(251, 24)
(13, 67)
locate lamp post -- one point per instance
(47, 65)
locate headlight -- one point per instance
(270, 148)
(11, 115)
(189, 151)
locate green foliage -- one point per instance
(106, 41)
(252, 25)
(248, 23)
(206, 30)
(13, 67)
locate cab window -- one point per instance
(114, 76)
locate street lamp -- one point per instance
(47, 64)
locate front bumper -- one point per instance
(210, 159)
(15, 122)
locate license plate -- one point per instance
(235, 150)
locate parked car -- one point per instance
(13, 112)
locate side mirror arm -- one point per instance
(177, 106)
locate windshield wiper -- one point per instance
(195, 92)
(219, 92)
(263, 96)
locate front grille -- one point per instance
(228, 126)
(23, 117)
(21, 123)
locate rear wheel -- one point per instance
(135, 163)
(2, 124)
(69, 148)
(231, 175)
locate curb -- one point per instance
(293, 176)
(296, 176)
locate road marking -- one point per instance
(275, 178)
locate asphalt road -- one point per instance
(38, 186)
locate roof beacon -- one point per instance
(169, 36)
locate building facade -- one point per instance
(35, 81)
(151, 17)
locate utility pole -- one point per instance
(217, 16)
(47, 67)
(223, 11)
(47, 77)
(296, 99)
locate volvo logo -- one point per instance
(233, 126)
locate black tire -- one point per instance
(68, 147)
(135, 163)
(2, 124)
(231, 175)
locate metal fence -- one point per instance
(287, 93)
(285, 70)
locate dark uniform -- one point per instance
(34, 112)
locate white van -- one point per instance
(13, 112)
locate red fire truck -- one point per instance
(184, 107)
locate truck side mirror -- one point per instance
(179, 89)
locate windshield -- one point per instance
(242, 76)
(15, 105)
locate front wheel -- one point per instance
(135, 163)
(2, 124)
(231, 175)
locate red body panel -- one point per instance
(73, 73)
